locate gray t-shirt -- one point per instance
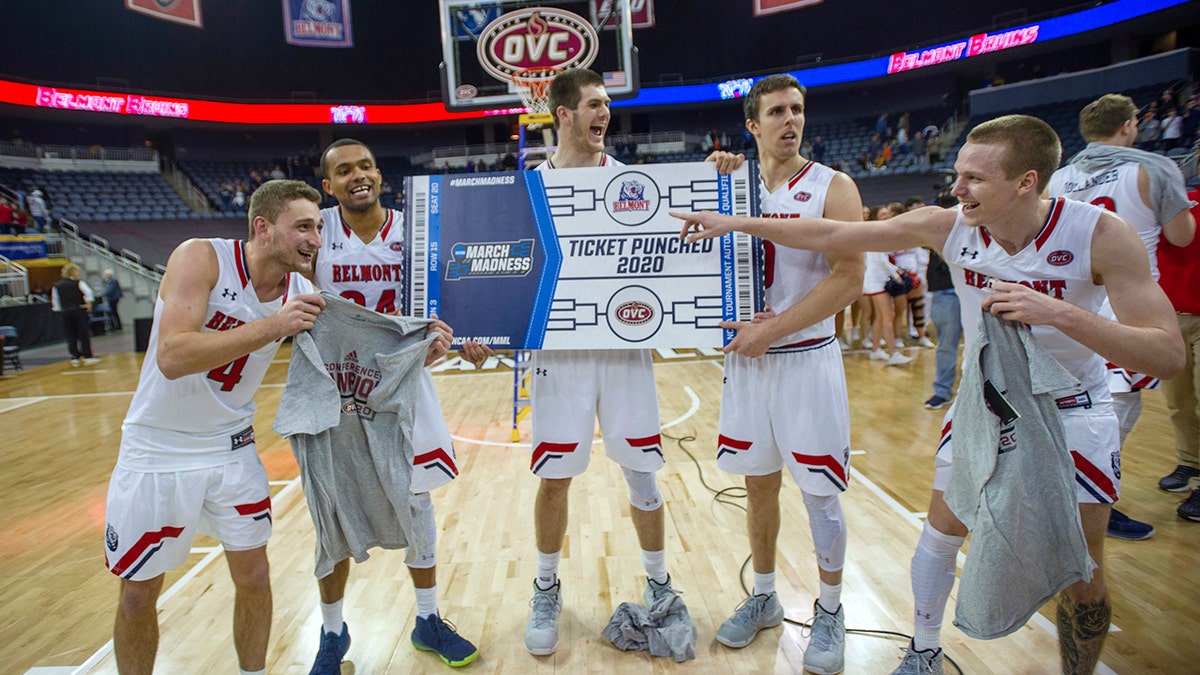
(348, 411)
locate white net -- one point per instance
(533, 86)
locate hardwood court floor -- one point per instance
(62, 427)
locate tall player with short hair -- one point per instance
(362, 260)
(187, 461)
(570, 388)
(1148, 191)
(1001, 243)
(784, 404)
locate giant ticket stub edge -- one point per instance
(581, 258)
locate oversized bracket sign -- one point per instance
(581, 258)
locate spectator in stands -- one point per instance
(256, 181)
(239, 196)
(38, 209)
(933, 145)
(1191, 120)
(882, 128)
(6, 216)
(710, 141)
(277, 173)
(1149, 131)
(226, 196)
(917, 145)
(20, 220)
(72, 299)
(1170, 129)
(902, 147)
(875, 148)
(112, 295)
(818, 150)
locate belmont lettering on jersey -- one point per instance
(1055, 288)
(222, 321)
(1109, 176)
(350, 273)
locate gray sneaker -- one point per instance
(656, 592)
(754, 614)
(924, 662)
(541, 633)
(826, 651)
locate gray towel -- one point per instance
(666, 629)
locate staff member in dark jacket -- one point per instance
(72, 299)
(112, 295)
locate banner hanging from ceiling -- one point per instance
(317, 23)
(186, 12)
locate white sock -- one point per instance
(547, 569)
(831, 597)
(764, 584)
(932, 578)
(331, 617)
(655, 563)
(242, 671)
(426, 601)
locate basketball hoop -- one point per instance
(533, 86)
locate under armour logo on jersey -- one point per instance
(232, 295)
(337, 245)
(967, 252)
(540, 371)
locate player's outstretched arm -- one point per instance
(1145, 337)
(183, 348)
(921, 227)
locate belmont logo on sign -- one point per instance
(632, 198)
(634, 313)
(537, 37)
(1060, 258)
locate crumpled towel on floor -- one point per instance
(666, 629)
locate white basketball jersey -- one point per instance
(605, 160)
(204, 416)
(1114, 188)
(369, 274)
(791, 273)
(1058, 262)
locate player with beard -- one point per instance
(362, 260)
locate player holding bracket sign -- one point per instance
(571, 387)
(784, 403)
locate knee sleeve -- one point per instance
(643, 490)
(422, 550)
(828, 525)
(932, 573)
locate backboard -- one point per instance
(484, 43)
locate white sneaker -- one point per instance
(91, 361)
(899, 343)
(854, 334)
(842, 343)
(879, 355)
(754, 614)
(74, 363)
(926, 342)
(867, 344)
(898, 359)
(541, 633)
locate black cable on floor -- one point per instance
(727, 496)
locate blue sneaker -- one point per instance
(1122, 526)
(333, 649)
(434, 634)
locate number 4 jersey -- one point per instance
(204, 419)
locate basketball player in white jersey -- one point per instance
(571, 387)
(187, 462)
(362, 260)
(1148, 191)
(1003, 242)
(784, 402)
